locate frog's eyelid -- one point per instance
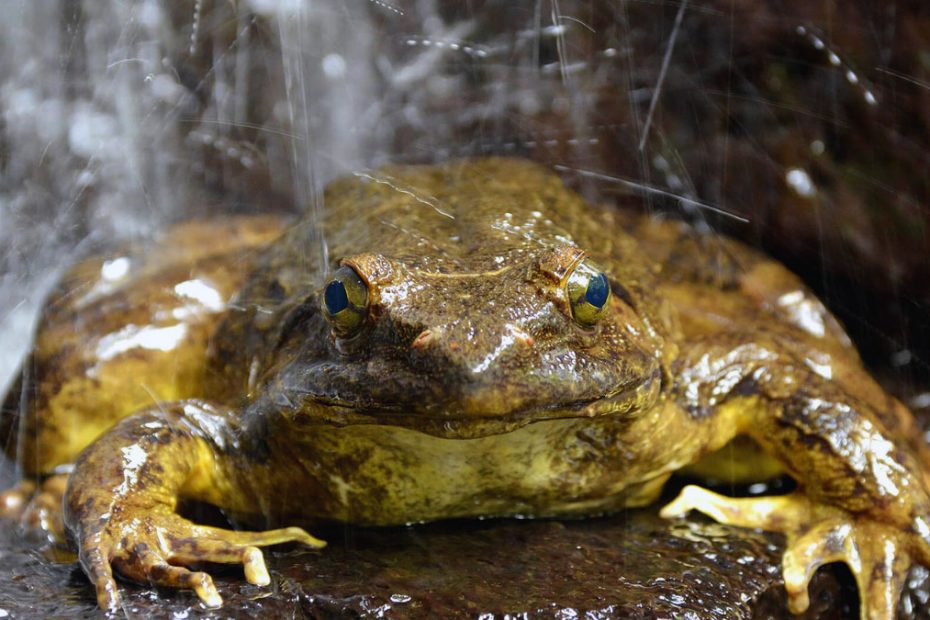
(373, 269)
(558, 264)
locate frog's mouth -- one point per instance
(467, 419)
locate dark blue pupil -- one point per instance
(335, 297)
(597, 291)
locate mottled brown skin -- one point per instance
(470, 389)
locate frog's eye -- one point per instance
(345, 301)
(588, 293)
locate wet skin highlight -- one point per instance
(485, 344)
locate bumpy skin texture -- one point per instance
(469, 389)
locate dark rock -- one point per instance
(632, 565)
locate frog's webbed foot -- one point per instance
(879, 554)
(155, 547)
(37, 509)
(120, 506)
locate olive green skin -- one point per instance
(425, 391)
(470, 389)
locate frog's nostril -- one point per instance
(522, 337)
(423, 339)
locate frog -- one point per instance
(468, 339)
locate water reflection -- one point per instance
(146, 337)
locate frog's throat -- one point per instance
(623, 403)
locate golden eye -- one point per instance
(588, 293)
(345, 301)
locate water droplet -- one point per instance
(901, 358)
(334, 65)
(801, 182)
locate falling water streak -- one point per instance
(727, 111)
(537, 32)
(469, 49)
(662, 71)
(173, 115)
(241, 82)
(832, 56)
(762, 101)
(387, 6)
(405, 191)
(648, 189)
(292, 29)
(195, 25)
(579, 22)
(556, 16)
(902, 76)
(623, 18)
(275, 131)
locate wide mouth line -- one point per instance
(596, 406)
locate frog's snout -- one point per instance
(430, 337)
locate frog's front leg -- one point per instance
(862, 493)
(120, 506)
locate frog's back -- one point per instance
(122, 331)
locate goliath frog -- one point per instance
(481, 342)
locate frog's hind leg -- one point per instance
(817, 534)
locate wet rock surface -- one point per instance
(632, 565)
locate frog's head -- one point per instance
(463, 348)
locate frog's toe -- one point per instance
(95, 560)
(877, 553)
(261, 539)
(820, 545)
(879, 556)
(762, 512)
(158, 548)
(221, 552)
(144, 565)
(195, 544)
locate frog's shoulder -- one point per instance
(126, 327)
(719, 284)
